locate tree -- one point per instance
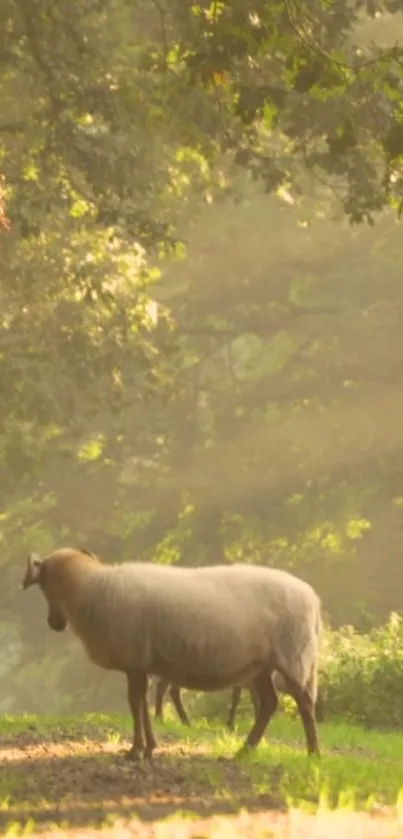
(134, 98)
(294, 90)
(188, 411)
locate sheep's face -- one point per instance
(56, 620)
(38, 573)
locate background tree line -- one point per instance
(200, 354)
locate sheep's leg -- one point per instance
(160, 690)
(151, 741)
(268, 701)
(175, 695)
(137, 695)
(317, 697)
(320, 708)
(236, 695)
(305, 701)
(255, 701)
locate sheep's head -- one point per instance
(33, 572)
(58, 575)
(37, 574)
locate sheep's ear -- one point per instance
(33, 572)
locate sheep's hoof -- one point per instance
(150, 749)
(134, 754)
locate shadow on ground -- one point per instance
(82, 782)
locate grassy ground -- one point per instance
(70, 774)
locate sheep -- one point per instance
(235, 698)
(163, 685)
(280, 685)
(205, 628)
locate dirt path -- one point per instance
(79, 784)
(83, 781)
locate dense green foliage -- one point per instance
(239, 397)
(362, 675)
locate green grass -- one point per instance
(357, 767)
(69, 771)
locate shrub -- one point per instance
(362, 674)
